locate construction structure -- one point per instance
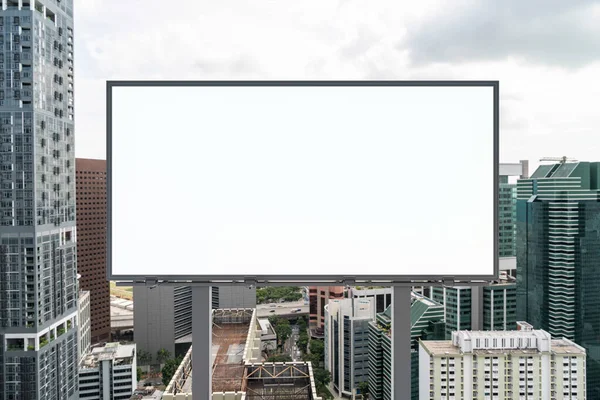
(238, 372)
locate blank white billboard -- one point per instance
(302, 181)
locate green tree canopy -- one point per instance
(317, 347)
(363, 387)
(280, 358)
(169, 370)
(162, 355)
(275, 294)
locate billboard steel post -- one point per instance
(202, 342)
(401, 356)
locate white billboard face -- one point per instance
(302, 182)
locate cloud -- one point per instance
(548, 106)
(550, 32)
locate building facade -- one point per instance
(381, 295)
(507, 213)
(90, 182)
(492, 307)
(108, 373)
(233, 297)
(84, 325)
(501, 365)
(346, 347)
(427, 322)
(558, 256)
(163, 315)
(38, 284)
(318, 297)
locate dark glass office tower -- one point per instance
(38, 274)
(558, 256)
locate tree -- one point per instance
(169, 369)
(314, 359)
(144, 357)
(317, 347)
(283, 330)
(273, 319)
(162, 355)
(302, 324)
(322, 380)
(269, 347)
(279, 358)
(276, 294)
(363, 388)
(322, 377)
(138, 374)
(302, 341)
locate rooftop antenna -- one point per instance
(561, 160)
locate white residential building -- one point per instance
(525, 365)
(382, 296)
(108, 373)
(84, 326)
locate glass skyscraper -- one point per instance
(426, 323)
(558, 257)
(38, 274)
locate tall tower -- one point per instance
(558, 256)
(90, 183)
(38, 273)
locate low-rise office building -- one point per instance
(108, 373)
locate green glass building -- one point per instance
(427, 323)
(558, 257)
(486, 308)
(507, 217)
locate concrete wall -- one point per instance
(153, 321)
(236, 297)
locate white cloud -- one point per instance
(548, 107)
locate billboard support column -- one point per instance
(401, 362)
(201, 342)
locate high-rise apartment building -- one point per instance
(38, 273)
(90, 182)
(108, 373)
(318, 297)
(492, 307)
(524, 364)
(427, 322)
(84, 325)
(347, 342)
(558, 256)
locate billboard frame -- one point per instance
(280, 280)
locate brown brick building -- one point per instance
(90, 183)
(318, 298)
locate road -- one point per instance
(287, 309)
(290, 345)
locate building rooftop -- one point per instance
(565, 346)
(446, 347)
(236, 364)
(118, 353)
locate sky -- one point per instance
(543, 52)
